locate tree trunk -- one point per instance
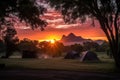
(9, 51)
(117, 62)
(116, 55)
(8, 54)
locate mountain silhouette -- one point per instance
(71, 38)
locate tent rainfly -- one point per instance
(89, 56)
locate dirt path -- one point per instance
(55, 75)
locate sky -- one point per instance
(56, 28)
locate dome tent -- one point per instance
(72, 55)
(89, 56)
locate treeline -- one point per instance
(33, 48)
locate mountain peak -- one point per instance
(71, 38)
(72, 35)
(63, 36)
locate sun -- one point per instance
(52, 41)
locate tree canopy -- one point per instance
(107, 12)
(27, 11)
(15, 12)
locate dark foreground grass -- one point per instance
(106, 65)
(59, 69)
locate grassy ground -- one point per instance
(58, 69)
(106, 64)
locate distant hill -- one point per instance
(100, 42)
(72, 39)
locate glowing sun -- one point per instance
(52, 41)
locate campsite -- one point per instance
(59, 57)
(59, 39)
(48, 58)
(54, 68)
(105, 64)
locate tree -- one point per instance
(53, 50)
(77, 47)
(90, 46)
(107, 12)
(10, 41)
(28, 45)
(14, 12)
(26, 11)
(103, 47)
(2, 47)
(28, 48)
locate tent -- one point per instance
(29, 54)
(72, 55)
(89, 56)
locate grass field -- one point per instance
(106, 64)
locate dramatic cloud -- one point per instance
(56, 28)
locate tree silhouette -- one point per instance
(28, 48)
(14, 12)
(90, 45)
(10, 40)
(53, 50)
(107, 12)
(2, 46)
(27, 11)
(77, 47)
(8, 36)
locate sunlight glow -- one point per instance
(52, 41)
(51, 38)
(97, 38)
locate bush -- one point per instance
(29, 54)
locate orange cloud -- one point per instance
(56, 28)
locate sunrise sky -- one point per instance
(56, 28)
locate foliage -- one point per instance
(27, 11)
(28, 48)
(27, 45)
(15, 12)
(90, 46)
(77, 47)
(34, 48)
(2, 46)
(10, 41)
(55, 49)
(103, 47)
(29, 54)
(107, 12)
